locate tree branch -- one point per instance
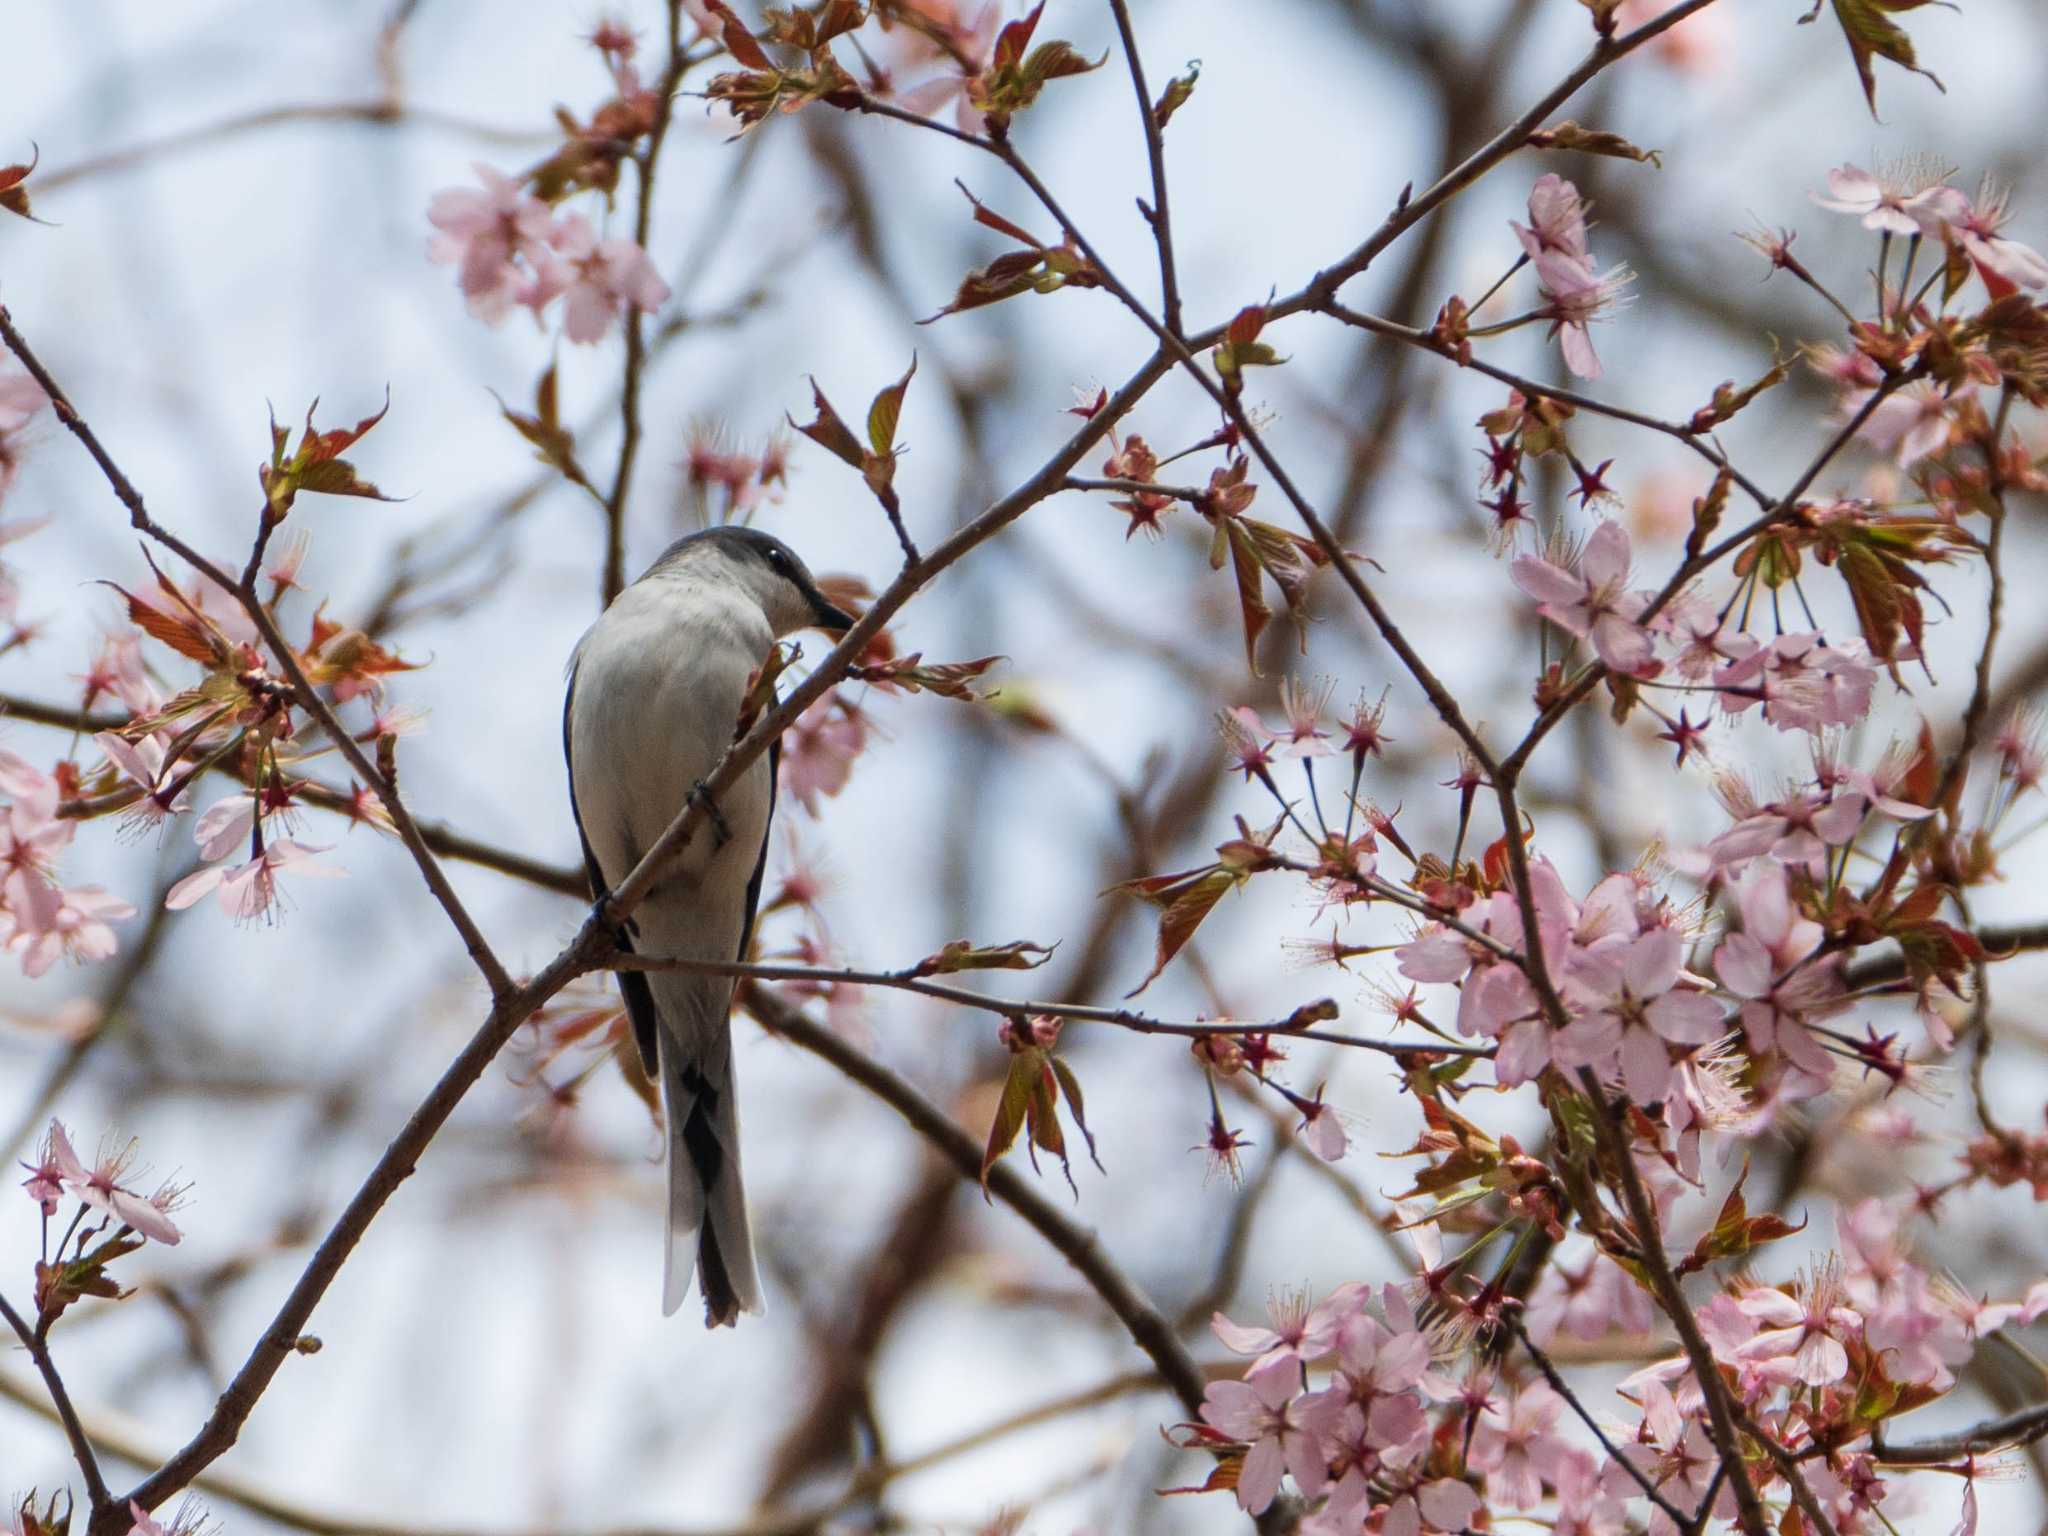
(36, 1341)
(1148, 1329)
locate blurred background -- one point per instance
(236, 199)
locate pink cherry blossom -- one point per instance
(1593, 600)
(1444, 1504)
(102, 1188)
(30, 839)
(486, 234)
(1629, 1010)
(45, 1181)
(78, 931)
(1587, 1302)
(1578, 295)
(1909, 423)
(141, 763)
(1764, 966)
(1512, 1445)
(1805, 1329)
(1802, 682)
(1297, 1332)
(2006, 266)
(597, 278)
(1269, 1412)
(1904, 199)
(1322, 1129)
(1557, 221)
(819, 749)
(249, 890)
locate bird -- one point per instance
(655, 690)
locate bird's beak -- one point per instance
(825, 616)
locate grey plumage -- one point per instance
(655, 688)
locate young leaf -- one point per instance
(316, 465)
(1176, 94)
(13, 188)
(1185, 899)
(739, 42)
(1012, 1109)
(883, 413)
(909, 673)
(554, 444)
(829, 432)
(1871, 33)
(1728, 399)
(1592, 141)
(963, 955)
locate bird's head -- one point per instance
(767, 570)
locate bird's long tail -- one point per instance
(707, 1207)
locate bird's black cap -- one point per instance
(752, 543)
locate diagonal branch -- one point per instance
(1148, 1328)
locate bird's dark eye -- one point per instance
(778, 561)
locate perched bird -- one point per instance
(656, 687)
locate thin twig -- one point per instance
(636, 336)
(1563, 1389)
(2015, 1429)
(1123, 1018)
(37, 1342)
(1158, 215)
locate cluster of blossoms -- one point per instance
(1390, 1443)
(1801, 680)
(512, 250)
(41, 919)
(58, 1172)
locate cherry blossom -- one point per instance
(1906, 198)
(1296, 1331)
(598, 279)
(1442, 1504)
(1512, 1446)
(2006, 266)
(1764, 965)
(20, 398)
(1587, 1302)
(77, 931)
(1631, 1008)
(1282, 1425)
(1557, 222)
(819, 749)
(487, 233)
(1909, 423)
(102, 1188)
(1594, 600)
(1802, 682)
(249, 890)
(1805, 1329)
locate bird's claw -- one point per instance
(699, 795)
